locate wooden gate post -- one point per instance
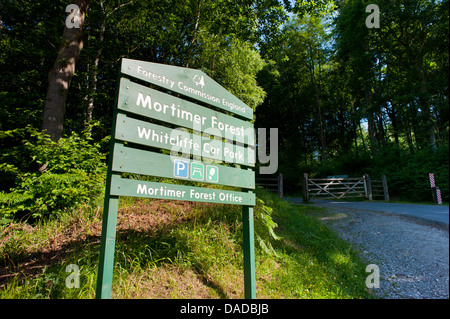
(385, 187)
(305, 188)
(368, 186)
(280, 185)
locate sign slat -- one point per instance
(138, 99)
(144, 133)
(130, 160)
(135, 188)
(189, 82)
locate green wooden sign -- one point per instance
(144, 133)
(143, 137)
(153, 104)
(134, 188)
(192, 83)
(131, 160)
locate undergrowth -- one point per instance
(175, 250)
(71, 173)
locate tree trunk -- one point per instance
(371, 121)
(319, 103)
(194, 35)
(409, 137)
(372, 132)
(392, 113)
(94, 74)
(426, 109)
(381, 130)
(61, 74)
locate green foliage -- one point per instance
(406, 173)
(29, 40)
(234, 64)
(72, 173)
(263, 223)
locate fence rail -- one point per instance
(345, 187)
(271, 183)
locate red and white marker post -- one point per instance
(436, 192)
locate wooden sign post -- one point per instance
(210, 143)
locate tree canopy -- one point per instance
(346, 98)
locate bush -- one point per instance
(407, 174)
(73, 172)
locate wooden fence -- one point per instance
(377, 188)
(345, 187)
(271, 183)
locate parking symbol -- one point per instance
(197, 171)
(181, 169)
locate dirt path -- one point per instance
(413, 257)
(438, 214)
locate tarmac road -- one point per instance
(434, 213)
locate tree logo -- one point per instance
(199, 80)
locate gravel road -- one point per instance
(412, 256)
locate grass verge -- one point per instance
(180, 250)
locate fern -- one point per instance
(74, 176)
(11, 203)
(14, 198)
(264, 227)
